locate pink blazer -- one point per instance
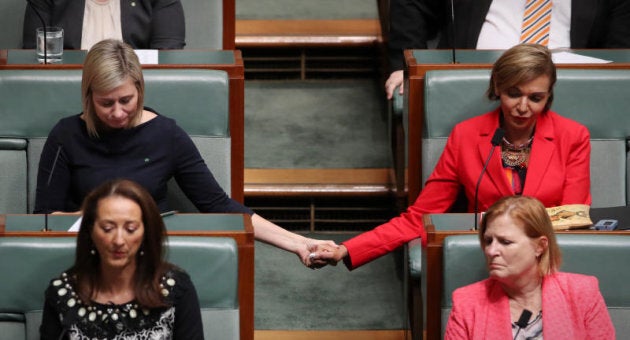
(558, 173)
(572, 308)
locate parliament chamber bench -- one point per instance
(237, 227)
(32, 101)
(594, 97)
(30, 262)
(602, 256)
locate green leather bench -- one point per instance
(32, 101)
(603, 256)
(29, 263)
(596, 98)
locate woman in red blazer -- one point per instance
(542, 154)
(525, 296)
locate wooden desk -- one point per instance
(230, 61)
(418, 62)
(439, 227)
(237, 226)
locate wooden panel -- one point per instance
(282, 33)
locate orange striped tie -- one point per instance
(536, 22)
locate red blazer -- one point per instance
(558, 173)
(572, 308)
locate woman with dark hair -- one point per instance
(526, 296)
(120, 286)
(542, 154)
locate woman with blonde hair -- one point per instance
(116, 136)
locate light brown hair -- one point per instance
(521, 64)
(535, 220)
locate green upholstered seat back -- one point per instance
(603, 256)
(32, 101)
(29, 263)
(595, 98)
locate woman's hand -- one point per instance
(331, 257)
(308, 253)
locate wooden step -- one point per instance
(305, 33)
(318, 182)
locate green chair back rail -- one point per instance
(211, 262)
(603, 256)
(32, 101)
(596, 98)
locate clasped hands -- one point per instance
(320, 253)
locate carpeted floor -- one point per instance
(319, 124)
(291, 296)
(315, 124)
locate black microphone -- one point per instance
(496, 140)
(522, 321)
(453, 31)
(44, 28)
(52, 170)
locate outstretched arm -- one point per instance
(271, 233)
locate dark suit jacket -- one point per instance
(558, 173)
(154, 24)
(594, 24)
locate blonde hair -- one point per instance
(108, 64)
(521, 64)
(535, 220)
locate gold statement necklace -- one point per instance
(515, 155)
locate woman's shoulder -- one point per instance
(69, 122)
(574, 281)
(472, 292)
(175, 280)
(62, 288)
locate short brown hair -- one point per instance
(521, 64)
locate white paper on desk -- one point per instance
(76, 225)
(572, 58)
(147, 56)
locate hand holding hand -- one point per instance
(308, 253)
(332, 257)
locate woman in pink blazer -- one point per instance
(542, 154)
(525, 296)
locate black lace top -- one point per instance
(67, 317)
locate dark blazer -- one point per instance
(154, 24)
(594, 24)
(558, 173)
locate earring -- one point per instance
(141, 252)
(93, 251)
